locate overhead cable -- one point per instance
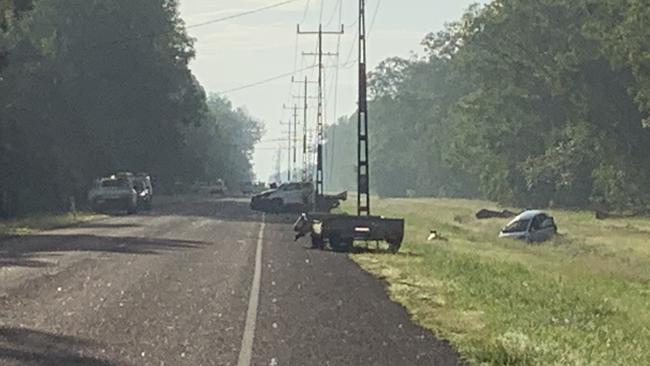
(233, 16)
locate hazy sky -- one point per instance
(260, 46)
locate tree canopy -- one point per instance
(90, 87)
(526, 102)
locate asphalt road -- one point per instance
(197, 282)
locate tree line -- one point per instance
(90, 87)
(525, 102)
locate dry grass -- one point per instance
(580, 299)
(30, 225)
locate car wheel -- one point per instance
(394, 246)
(341, 245)
(317, 242)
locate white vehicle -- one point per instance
(532, 226)
(216, 188)
(219, 187)
(295, 197)
(286, 197)
(115, 193)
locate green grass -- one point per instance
(33, 224)
(580, 299)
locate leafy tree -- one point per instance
(526, 102)
(90, 87)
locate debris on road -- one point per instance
(490, 214)
(604, 215)
(435, 236)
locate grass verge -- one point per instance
(33, 224)
(580, 299)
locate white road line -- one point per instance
(246, 351)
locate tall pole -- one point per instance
(293, 140)
(305, 146)
(319, 120)
(295, 133)
(304, 136)
(288, 146)
(289, 154)
(278, 165)
(319, 116)
(363, 163)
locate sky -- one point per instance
(245, 50)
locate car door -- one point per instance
(293, 194)
(542, 228)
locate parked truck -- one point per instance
(340, 231)
(114, 193)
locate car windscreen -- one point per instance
(140, 186)
(517, 226)
(114, 183)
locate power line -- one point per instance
(374, 16)
(322, 8)
(264, 81)
(338, 61)
(319, 119)
(348, 61)
(304, 14)
(273, 78)
(295, 71)
(336, 91)
(338, 6)
(296, 54)
(248, 12)
(103, 46)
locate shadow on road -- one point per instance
(224, 209)
(107, 225)
(29, 251)
(359, 249)
(35, 348)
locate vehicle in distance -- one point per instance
(144, 189)
(294, 197)
(532, 226)
(216, 188)
(219, 187)
(247, 187)
(114, 193)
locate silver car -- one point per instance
(115, 193)
(532, 226)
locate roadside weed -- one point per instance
(581, 299)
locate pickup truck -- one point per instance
(115, 193)
(296, 197)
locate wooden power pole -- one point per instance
(319, 115)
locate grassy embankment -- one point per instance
(33, 224)
(581, 299)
